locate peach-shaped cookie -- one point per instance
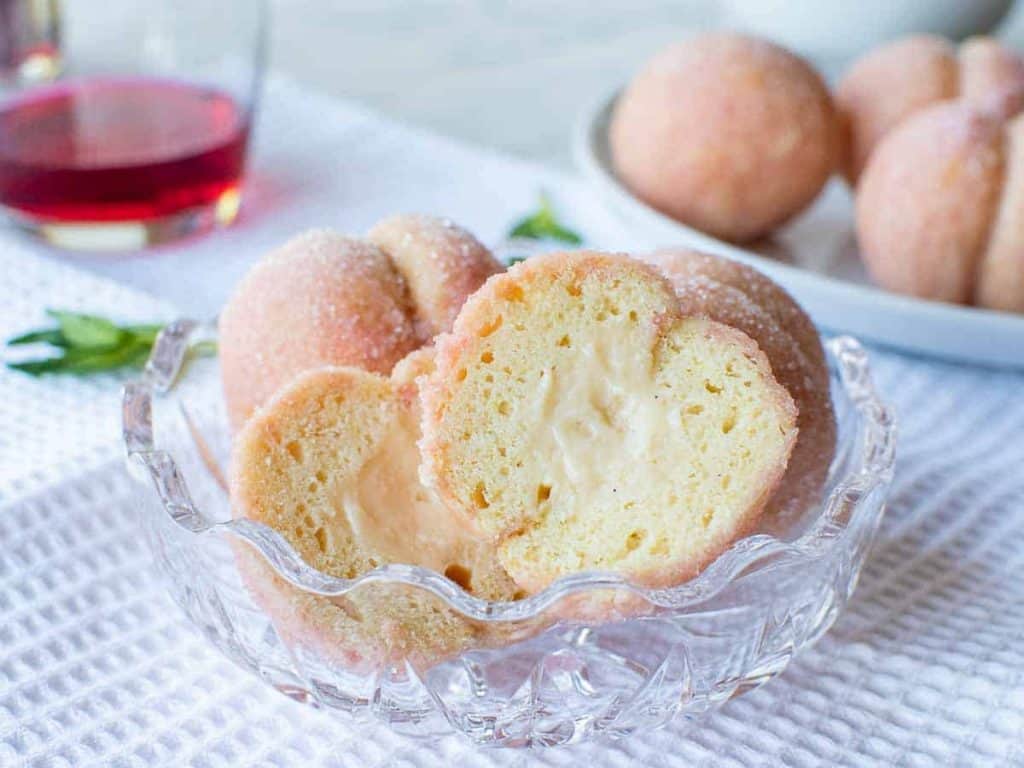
(331, 463)
(989, 71)
(1000, 279)
(928, 200)
(729, 134)
(583, 423)
(739, 296)
(326, 299)
(442, 264)
(895, 81)
(320, 299)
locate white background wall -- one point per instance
(511, 74)
(505, 73)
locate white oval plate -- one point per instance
(815, 258)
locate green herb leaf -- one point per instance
(87, 331)
(544, 225)
(146, 333)
(52, 337)
(206, 348)
(36, 367)
(87, 344)
(84, 361)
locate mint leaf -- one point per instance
(544, 225)
(87, 344)
(85, 361)
(52, 337)
(145, 333)
(87, 331)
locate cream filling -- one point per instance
(608, 405)
(395, 516)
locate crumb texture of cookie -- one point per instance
(442, 264)
(331, 463)
(583, 423)
(741, 297)
(320, 299)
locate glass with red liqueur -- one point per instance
(136, 131)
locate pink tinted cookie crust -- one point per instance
(730, 134)
(320, 299)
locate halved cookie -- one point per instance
(739, 296)
(331, 463)
(583, 423)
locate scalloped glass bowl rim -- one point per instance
(871, 469)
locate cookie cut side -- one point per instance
(331, 463)
(741, 297)
(582, 423)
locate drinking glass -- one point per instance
(126, 122)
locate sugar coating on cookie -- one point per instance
(897, 80)
(1000, 278)
(331, 463)
(730, 134)
(579, 420)
(741, 297)
(320, 299)
(988, 70)
(442, 264)
(888, 84)
(928, 199)
(679, 264)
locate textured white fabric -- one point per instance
(49, 424)
(98, 668)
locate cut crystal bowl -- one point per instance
(556, 676)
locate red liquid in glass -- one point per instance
(119, 150)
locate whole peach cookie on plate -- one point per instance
(581, 422)
(939, 208)
(739, 296)
(888, 85)
(726, 133)
(331, 463)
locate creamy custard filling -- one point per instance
(654, 450)
(606, 407)
(392, 514)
